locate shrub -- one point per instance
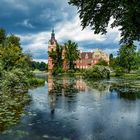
(57, 71)
(36, 82)
(14, 80)
(102, 62)
(119, 71)
(97, 72)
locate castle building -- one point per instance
(51, 47)
(87, 59)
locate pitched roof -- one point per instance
(83, 55)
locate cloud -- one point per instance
(36, 44)
(26, 23)
(41, 14)
(33, 20)
(73, 30)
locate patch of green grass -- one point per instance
(131, 76)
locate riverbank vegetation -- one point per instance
(97, 72)
(16, 78)
(126, 64)
(39, 66)
(15, 66)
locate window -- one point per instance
(86, 56)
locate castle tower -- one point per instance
(51, 47)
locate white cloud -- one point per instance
(113, 31)
(26, 23)
(17, 5)
(73, 30)
(38, 43)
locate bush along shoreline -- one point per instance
(16, 77)
(97, 72)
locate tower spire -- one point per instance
(53, 40)
(53, 34)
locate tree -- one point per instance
(71, 53)
(127, 57)
(110, 57)
(2, 36)
(39, 65)
(138, 58)
(14, 40)
(15, 70)
(112, 60)
(97, 72)
(56, 56)
(97, 14)
(102, 62)
(12, 57)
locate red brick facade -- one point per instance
(88, 59)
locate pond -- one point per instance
(70, 108)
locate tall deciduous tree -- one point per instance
(71, 53)
(127, 57)
(2, 36)
(57, 56)
(14, 40)
(137, 60)
(97, 14)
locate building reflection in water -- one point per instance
(69, 87)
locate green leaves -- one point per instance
(57, 59)
(97, 72)
(15, 77)
(56, 55)
(127, 57)
(2, 36)
(71, 53)
(97, 14)
(11, 109)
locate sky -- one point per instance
(33, 21)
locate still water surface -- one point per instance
(69, 108)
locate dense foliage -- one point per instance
(97, 72)
(39, 66)
(15, 79)
(56, 56)
(11, 109)
(15, 70)
(97, 14)
(128, 59)
(102, 62)
(67, 54)
(71, 54)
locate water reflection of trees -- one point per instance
(100, 86)
(126, 90)
(67, 87)
(64, 87)
(11, 108)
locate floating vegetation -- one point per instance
(11, 108)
